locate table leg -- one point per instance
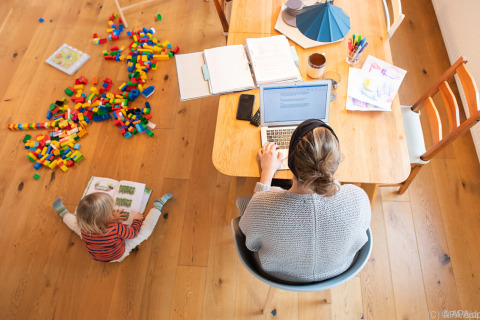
(371, 189)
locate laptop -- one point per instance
(283, 106)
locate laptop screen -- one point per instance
(293, 103)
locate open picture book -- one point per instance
(130, 197)
(236, 67)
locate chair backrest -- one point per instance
(246, 256)
(456, 128)
(393, 24)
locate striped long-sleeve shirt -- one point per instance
(111, 245)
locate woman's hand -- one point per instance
(119, 214)
(270, 161)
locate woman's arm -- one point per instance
(270, 161)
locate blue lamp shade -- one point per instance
(324, 23)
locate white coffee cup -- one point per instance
(316, 65)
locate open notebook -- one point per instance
(236, 68)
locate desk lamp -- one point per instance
(324, 23)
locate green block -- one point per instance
(68, 91)
(36, 176)
(159, 17)
(27, 137)
(170, 54)
(53, 106)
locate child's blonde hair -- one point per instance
(94, 212)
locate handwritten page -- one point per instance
(229, 69)
(271, 60)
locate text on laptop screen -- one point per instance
(294, 103)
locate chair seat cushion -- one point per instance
(413, 134)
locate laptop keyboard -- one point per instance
(281, 137)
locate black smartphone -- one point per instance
(245, 106)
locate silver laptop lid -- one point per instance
(290, 103)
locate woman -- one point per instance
(314, 230)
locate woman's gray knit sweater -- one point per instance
(305, 237)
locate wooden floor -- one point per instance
(425, 257)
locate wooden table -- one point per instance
(373, 143)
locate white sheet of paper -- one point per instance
(380, 83)
(229, 69)
(272, 60)
(355, 84)
(191, 83)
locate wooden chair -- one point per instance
(397, 16)
(122, 9)
(419, 156)
(246, 257)
(220, 6)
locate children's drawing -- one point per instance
(375, 85)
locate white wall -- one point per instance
(459, 23)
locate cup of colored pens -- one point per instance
(356, 46)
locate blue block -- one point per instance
(49, 114)
(76, 146)
(147, 92)
(135, 93)
(105, 85)
(169, 46)
(37, 165)
(127, 135)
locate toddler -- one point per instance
(97, 223)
